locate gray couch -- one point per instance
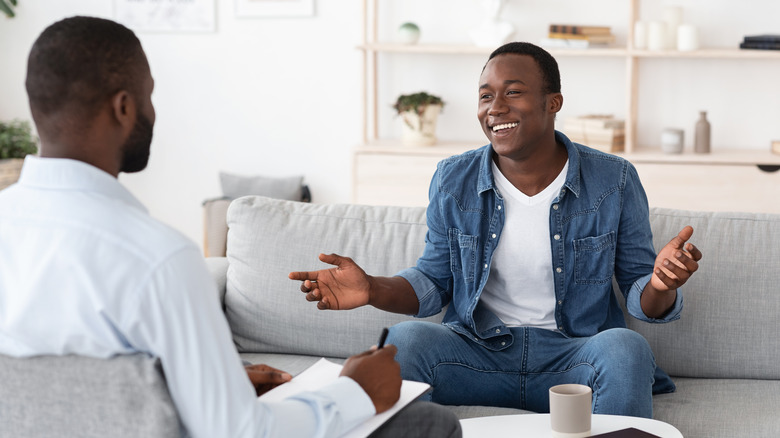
(723, 354)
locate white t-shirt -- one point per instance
(85, 270)
(520, 288)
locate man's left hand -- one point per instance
(265, 378)
(676, 262)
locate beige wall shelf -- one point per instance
(386, 172)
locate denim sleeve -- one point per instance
(635, 255)
(432, 277)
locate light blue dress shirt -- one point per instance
(85, 270)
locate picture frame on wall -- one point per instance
(166, 15)
(274, 8)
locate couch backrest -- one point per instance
(268, 238)
(76, 396)
(731, 315)
(728, 327)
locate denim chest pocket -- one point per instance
(463, 254)
(594, 259)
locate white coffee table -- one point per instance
(538, 426)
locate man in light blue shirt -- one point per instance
(85, 270)
(525, 236)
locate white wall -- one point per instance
(277, 97)
(281, 97)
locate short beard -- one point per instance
(135, 151)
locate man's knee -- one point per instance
(622, 349)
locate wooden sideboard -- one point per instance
(388, 174)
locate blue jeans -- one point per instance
(617, 364)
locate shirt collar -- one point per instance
(73, 175)
(485, 179)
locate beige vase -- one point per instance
(9, 171)
(420, 129)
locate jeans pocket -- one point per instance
(594, 259)
(463, 254)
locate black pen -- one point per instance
(382, 338)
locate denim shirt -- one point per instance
(599, 230)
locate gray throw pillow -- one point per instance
(236, 186)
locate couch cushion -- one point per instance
(717, 408)
(269, 238)
(236, 186)
(58, 396)
(729, 323)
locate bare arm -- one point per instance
(347, 286)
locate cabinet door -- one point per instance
(711, 187)
(386, 179)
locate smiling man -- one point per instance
(525, 236)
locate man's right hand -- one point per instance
(377, 372)
(346, 286)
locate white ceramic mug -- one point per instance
(570, 410)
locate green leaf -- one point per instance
(16, 139)
(7, 9)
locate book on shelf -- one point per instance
(759, 46)
(577, 29)
(761, 42)
(766, 38)
(593, 121)
(602, 132)
(563, 43)
(599, 39)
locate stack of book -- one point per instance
(577, 36)
(761, 42)
(602, 132)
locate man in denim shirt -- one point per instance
(524, 238)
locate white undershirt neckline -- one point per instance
(520, 288)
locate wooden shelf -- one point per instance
(713, 53)
(466, 49)
(738, 157)
(387, 172)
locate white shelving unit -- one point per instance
(651, 163)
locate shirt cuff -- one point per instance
(634, 303)
(426, 291)
(354, 405)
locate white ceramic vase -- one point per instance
(420, 129)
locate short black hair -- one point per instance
(547, 64)
(79, 62)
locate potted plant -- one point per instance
(16, 142)
(5, 7)
(419, 112)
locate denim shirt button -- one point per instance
(498, 330)
(555, 206)
(560, 327)
(499, 207)
(485, 265)
(494, 235)
(560, 302)
(557, 237)
(503, 343)
(558, 270)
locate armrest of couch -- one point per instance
(218, 267)
(123, 396)
(215, 226)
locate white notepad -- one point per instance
(325, 372)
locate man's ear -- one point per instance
(555, 102)
(123, 109)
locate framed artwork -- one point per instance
(166, 15)
(274, 8)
